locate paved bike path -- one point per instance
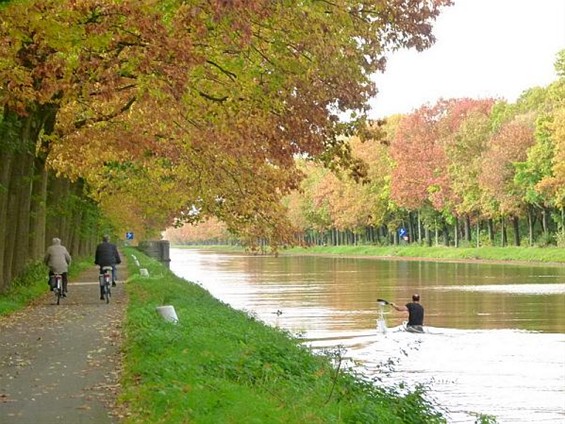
(61, 363)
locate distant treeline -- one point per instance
(461, 172)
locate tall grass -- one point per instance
(219, 365)
(32, 283)
(24, 289)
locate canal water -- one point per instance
(495, 334)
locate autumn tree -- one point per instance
(484, 144)
(465, 132)
(553, 185)
(497, 178)
(314, 205)
(211, 230)
(224, 129)
(419, 175)
(537, 174)
(209, 101)
(375, 189)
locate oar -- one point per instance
(383, 301)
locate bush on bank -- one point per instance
(219, 365)
(32, 283)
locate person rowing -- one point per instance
(415, 314)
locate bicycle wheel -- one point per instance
(107, 292)
(59, 290)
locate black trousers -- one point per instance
(65, 279)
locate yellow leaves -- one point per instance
(211, 229)
(170, 104)
(554, 185)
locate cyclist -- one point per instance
(58, 259)
(107, 255)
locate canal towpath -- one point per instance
(61, 363)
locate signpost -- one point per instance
(403, 234)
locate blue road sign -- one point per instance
(129, 236)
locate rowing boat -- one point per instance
(418, 329)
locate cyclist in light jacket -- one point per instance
(58, 259)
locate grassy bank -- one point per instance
(503, 254)
(219, 365)
(500, 254)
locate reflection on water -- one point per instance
(494, 371)
(512, 288)
(495, 339)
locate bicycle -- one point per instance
(106, 282)
(58, 287)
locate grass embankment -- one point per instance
(500, 254)
(33, 284)
(504, 254)
(219, 365)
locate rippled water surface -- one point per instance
(495, 334)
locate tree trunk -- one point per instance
(15, 188)
(504, 238)
(22, 218)
(374, 235)
(74, 238)
(516, 227)
(411, 227)
(456, 232)
(531, 222)
(38, 210)
(6, 159)
(468, 230)
(545, 220)
(490, 224)
(38, 224)
(57, 209)
(445, 234)
(419, 229)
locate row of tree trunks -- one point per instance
(19, 210)
(35, 205)
(449, 235)
(38, 218)
(6, 159)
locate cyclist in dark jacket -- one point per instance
(107, 255)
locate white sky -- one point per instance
(484, 48)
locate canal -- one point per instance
(495, 334)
